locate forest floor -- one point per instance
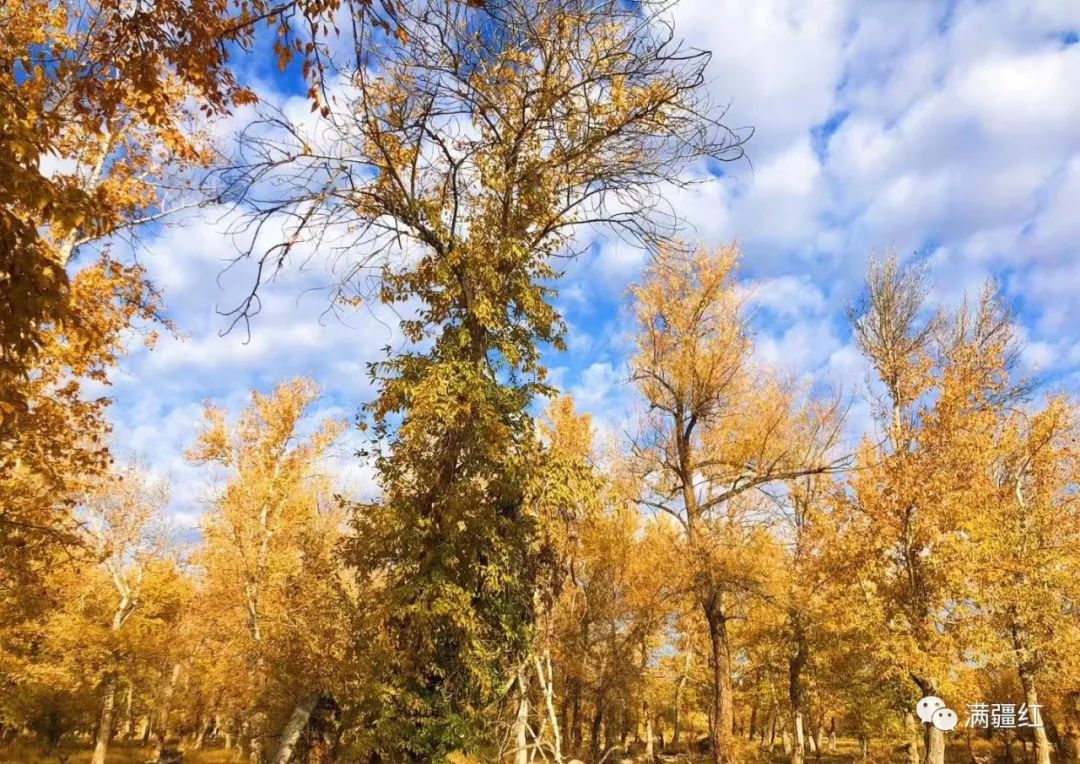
(25, 753)
(847, 753)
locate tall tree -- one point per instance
(1026, 537)
(270, 584)
(717, 430)
(102, 117)
(946, 380)
(120, 515)
(111, 618)
(54, 448)
(471, 147)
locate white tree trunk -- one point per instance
(521, 723)
(293, 729)
(545, 679)
(798, 754)
(105, 724)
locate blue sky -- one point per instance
(948, 132)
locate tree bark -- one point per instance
(521, 723)
(795, 666)
(679, 688)
(648, 730)
(1031, 697)
(105, 724)
(293, 729)
(721, 707)
(935, 738)
(935, 745)
(546, 680)
(798, 745)
(595, 743)
(912, 747)
(575, 717)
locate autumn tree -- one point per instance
(116, 616)
(1025, 535)
(100, 108)
(612, 620)
(457, 164)
(807, 596)
(270, 583)
(55, 447)
(103, 109)
(119, 519)
(717, 432)
(945, 382)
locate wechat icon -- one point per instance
(932, 710)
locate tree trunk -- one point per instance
(575, 717)
(521, 723)
(105, 724)
(201, 726)
(1031, 697)
(124, 730)
(798, 750)
(935, 738)
(721, 708)
(255, 730)
(679, 688)
(545, 677)
(795, 667)
(752, 732)
(648, 731)
(832, 735)
(935, 745)
(594, 731)
(912, 747)
(293, 729)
